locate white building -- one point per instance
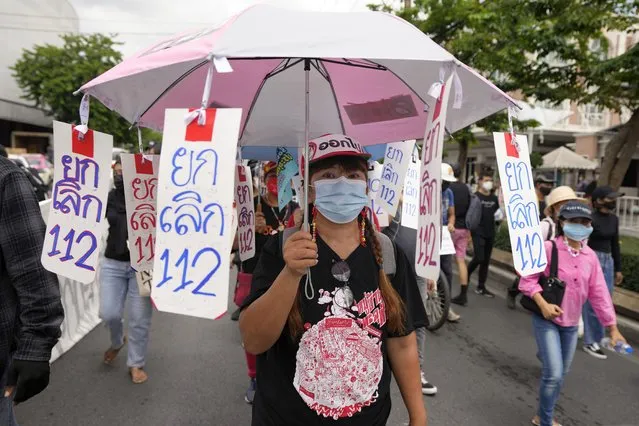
(23, 24)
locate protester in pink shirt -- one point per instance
(556, 331)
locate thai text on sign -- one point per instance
(396, 161)
(520, 201)
(245, 212)
(79, 200)
(430, 201)
(195, 210)
(374, 186)
(410, 202)
(140, 173)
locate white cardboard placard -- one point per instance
(245, 212)
(77, 218)
(430, 202)
(195, 213)
(410, 202)
(140, 173)
(396, 161)
(374, 185)
(520, 203)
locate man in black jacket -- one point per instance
(30, 306)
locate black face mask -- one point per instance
(545, 190)
(610, 205)
(118, 182)
(445, 186)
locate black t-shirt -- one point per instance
(605, 236)
(338, 373)
(461, 193)
(542, 207)
(275, 221)
(489, 205)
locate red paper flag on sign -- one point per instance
(143, 166)
(511, 149)
(82, 146)
(240, 172)
(197, 133)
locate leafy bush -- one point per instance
(629, 256)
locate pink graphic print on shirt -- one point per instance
(339, 361)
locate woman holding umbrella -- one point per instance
(326, 343)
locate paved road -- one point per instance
(485, 368)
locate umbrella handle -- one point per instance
(309, 291)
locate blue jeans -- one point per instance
(556, 347)
(117, 285)
(593, 330)
(7, 417)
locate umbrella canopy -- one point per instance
(370, 74)
(563, 158)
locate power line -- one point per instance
(101, 20)
(52, 30)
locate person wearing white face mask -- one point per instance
(484, 235)
(327, 324)
(556, 325)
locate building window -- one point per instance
(471, 164)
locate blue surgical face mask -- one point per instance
(576, 231)
(340, 200)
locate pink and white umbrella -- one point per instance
(368, 75)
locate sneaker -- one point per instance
(537, 422)
(461, 300)
(511, 300)
(595, 350)
(452, 316)
(484, 292)
(428, 388)
(250, 392)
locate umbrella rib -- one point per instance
(330, 84)
(171, 86)
(402, 80)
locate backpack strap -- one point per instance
(388, 253)
(388, 249)
(554, 260)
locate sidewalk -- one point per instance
(501, 276)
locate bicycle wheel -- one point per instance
(438, 304)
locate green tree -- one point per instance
(48, 75)
(549, 50)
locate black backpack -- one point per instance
(473, 214)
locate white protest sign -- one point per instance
(78, 208)
(246, 212)
(430, 201)
(195, 210)
(410, 202)
(447, 246)
(140, 174)
(520, 203)
(374, 185)
(396, 161)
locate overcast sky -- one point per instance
(141, 22)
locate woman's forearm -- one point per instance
(402, 353)
(262, 322)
